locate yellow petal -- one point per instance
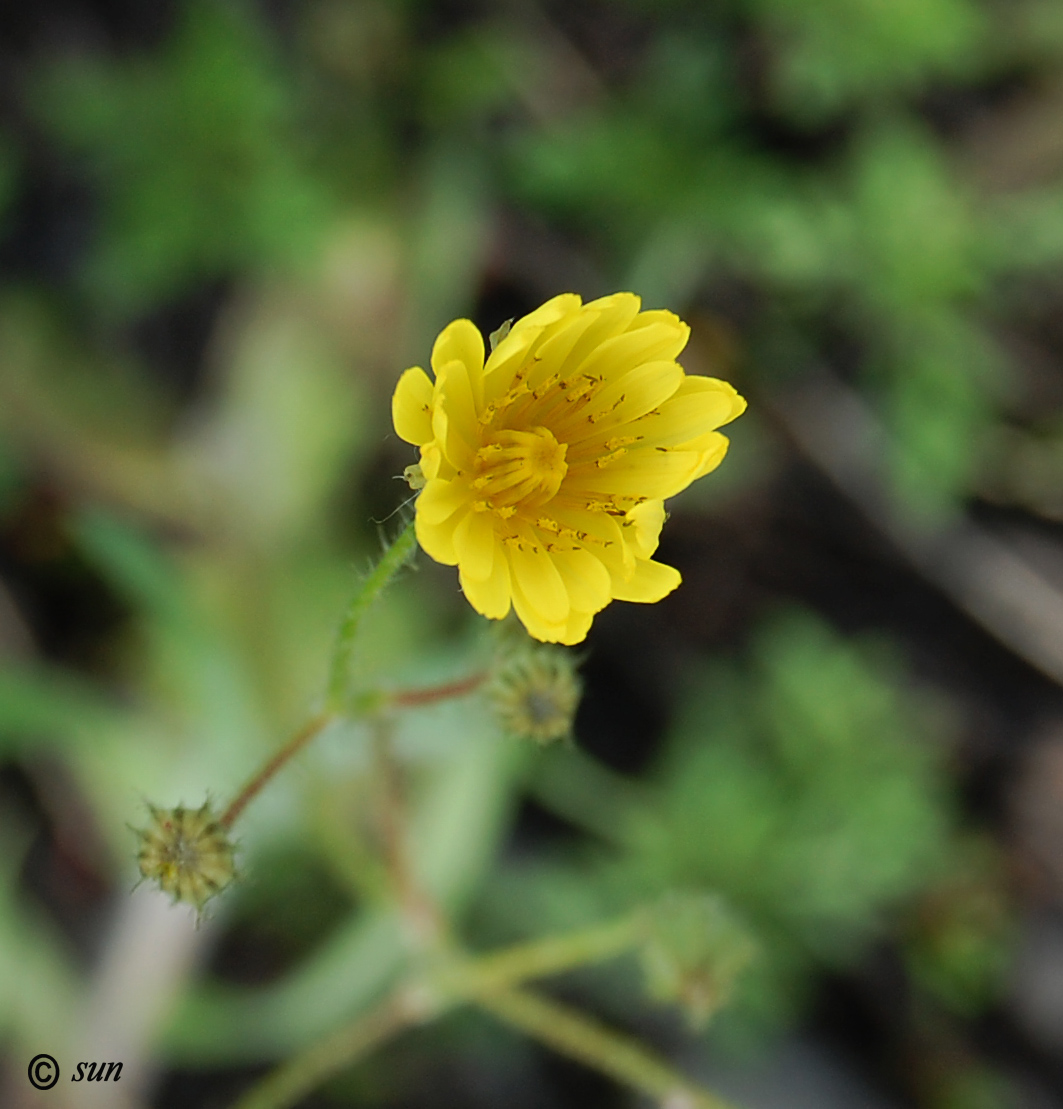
(624, 398)
(644, 530)
(411, 406)
(712, 454)
(504, 361)
(432, 461)
(650, 582)
(576, 627)
(652, 343)
(437, 540)
(541, 351)
(656, 474)
(553, 353)
(612, 315)
(699, 406)
(537, 627)
(587, 581)
(440, 499)
(514, 349)
(462, 342)
(672, 333)
(491, 596)
(602, 535)
(454, 414)
(553, 310)
(475, 542)
(533, 570)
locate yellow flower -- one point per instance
(546, 469)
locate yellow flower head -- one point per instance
(546, 469)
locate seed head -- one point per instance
(187, 853)
(535, 692)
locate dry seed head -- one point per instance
(187, 853)
(535, 693)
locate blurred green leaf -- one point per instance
(40, 705)
(196, 155)
(833, 52)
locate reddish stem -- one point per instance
(411, 698)
(288, 751)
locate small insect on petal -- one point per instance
(499, 333)
(414, 477)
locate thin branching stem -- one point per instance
(292, 1081)
(430, 695)
(584, 1039)
(549, 955)
(255, 785)
(491, 982)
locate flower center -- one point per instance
(525, 467)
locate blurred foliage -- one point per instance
(196, 156)
(809, 789)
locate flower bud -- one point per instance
(693, 953)
(187, 853)
(534, 693)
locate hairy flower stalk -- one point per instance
(546, 467)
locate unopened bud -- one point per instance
(693, 953)
(535, 692)
(187, 853)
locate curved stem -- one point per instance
(285, 754)
(379, 577)
(587, 1041)
(392, 560)
(292, 1081)
(548, 955)
(414, 698)
(490, 981)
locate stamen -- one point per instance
(594, 417)
(520, 467)
(517, 390)
(605, 459)
(544, 387)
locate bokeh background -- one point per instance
(226, 228)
